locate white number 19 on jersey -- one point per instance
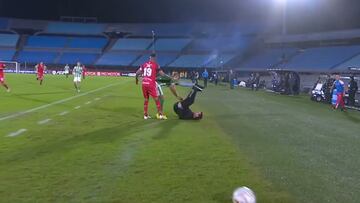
(147, 72)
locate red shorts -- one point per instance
(149, 90)
(40, 76)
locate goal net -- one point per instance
(11, 66)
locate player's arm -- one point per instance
(138, 73)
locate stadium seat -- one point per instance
(132, 44)
(170, 44)
(87, 42)
(6, 55)
(162, 58)
(117, 59)
(37, 56)
(75, 28)
(8, 40)
(267, 58)
(323, 58)
(72, 58)
(46, 41)
(189, 61)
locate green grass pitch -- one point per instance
(95, 146)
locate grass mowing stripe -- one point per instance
(55, 103)
(44, 121)
(13, 134)
(63, 113)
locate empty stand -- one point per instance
(171, 44)
(132, 44)
(162, 58)
(8, 40)
(268, 58)
(72, 58)
(323, 58)
(75, 28)
(121, 59)
(188, 61)
(37, 56)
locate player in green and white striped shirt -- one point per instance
(77, 72)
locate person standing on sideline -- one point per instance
(205, 76)
(231, 79)
(216, 78)
(353, 88)
(339, 85)
(67, 70)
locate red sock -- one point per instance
(158, 106)
(146, 105)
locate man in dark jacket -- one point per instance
(353, 88)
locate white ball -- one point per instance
(244, 195)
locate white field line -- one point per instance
(14, 134)
(54, 103)
(77, 107)
(42, 122)
(97, 99)
(63, 113)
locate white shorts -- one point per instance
(77, 79)
(159, 91)
(66, 72)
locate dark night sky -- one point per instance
(303, 15)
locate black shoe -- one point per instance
(197, 87)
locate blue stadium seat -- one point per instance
(268, 58)
(171, 44)
(323, 58)
(220, 44)
(6, 55)
(8, 40)
(37, 56)
(4, 23)
(190, 61)
(88, 42)
(132, 44)
(353, 62)
(75, 28)
(46, 41)
(117, 59)
(162, 58)
(72, 58)
(220, 60)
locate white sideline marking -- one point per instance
(87, 103)
(44, 121)
(97, 99)
(13, 134)
(77, 107)
(63, 113)
(54, 103)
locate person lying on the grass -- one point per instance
(182, 108)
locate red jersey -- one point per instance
(2, 67)
(149, 70)
(40, 69)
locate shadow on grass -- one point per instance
(351, 117)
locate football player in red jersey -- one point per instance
(84, 72)
(149, 71)
(40, 70)
(2, 77)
